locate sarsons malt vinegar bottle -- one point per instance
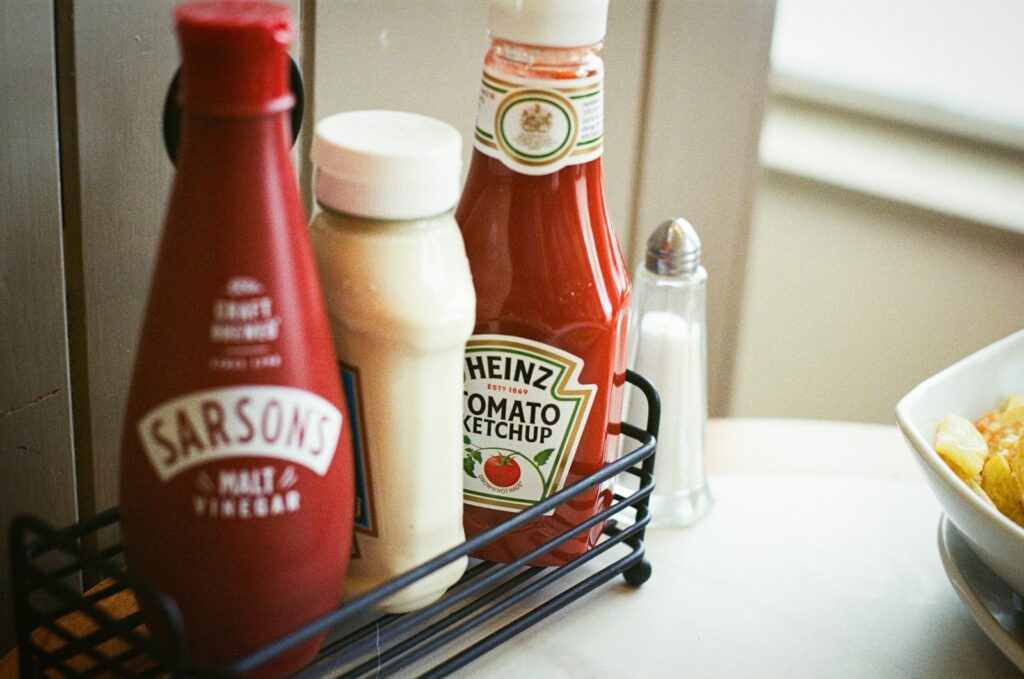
(236, 480)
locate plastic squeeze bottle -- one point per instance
(545, 368)
(236, 468)
(401, 303)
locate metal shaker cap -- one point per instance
(673, 249)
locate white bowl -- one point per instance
(969, 388)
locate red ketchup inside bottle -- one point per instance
(545, 368)
(236, 479)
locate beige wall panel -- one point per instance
(124, 57)
(705, 105)
(426, 57)
(851, 301)
(37, 469)
(626, 51)
(121, 72)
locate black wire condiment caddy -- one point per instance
(490, 604)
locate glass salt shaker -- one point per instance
(668, 346)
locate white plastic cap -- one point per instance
(386, 164)
(549, 23)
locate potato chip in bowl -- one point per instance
(969, 453)
(987, 455)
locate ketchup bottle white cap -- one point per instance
(386, 164)
(549, 23)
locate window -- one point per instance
(952, 65)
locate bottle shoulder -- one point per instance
(354, 227)
(542, 246)
(696, 278)
(519, 211)
(395, 279)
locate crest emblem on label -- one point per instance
(524, 412)
(539, 126)
(536, 126)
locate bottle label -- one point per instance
(244, 327)
(364, 513)
(539, 126)
(212, 425)
(524, 412)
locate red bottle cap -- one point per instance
(234, 57)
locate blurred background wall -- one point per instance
(887, 239)
(867, 235)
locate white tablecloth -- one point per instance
(830, 573)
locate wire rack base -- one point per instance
(62, 631)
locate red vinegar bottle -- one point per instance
(236, 478)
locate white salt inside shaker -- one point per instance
(668, 346)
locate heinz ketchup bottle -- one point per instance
(545, 369)
(236, 479)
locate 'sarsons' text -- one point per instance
(278, 422)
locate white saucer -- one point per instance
(993, 605)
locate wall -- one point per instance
(37, 469)
(868, 274)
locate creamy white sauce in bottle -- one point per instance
(400, 301)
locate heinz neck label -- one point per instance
(291, 425)
(523, 415)
(538, 127)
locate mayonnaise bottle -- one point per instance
(401, 307)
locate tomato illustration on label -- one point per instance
(502, 470)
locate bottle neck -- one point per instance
(546, 63)
(207, 138)
(541, 108)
